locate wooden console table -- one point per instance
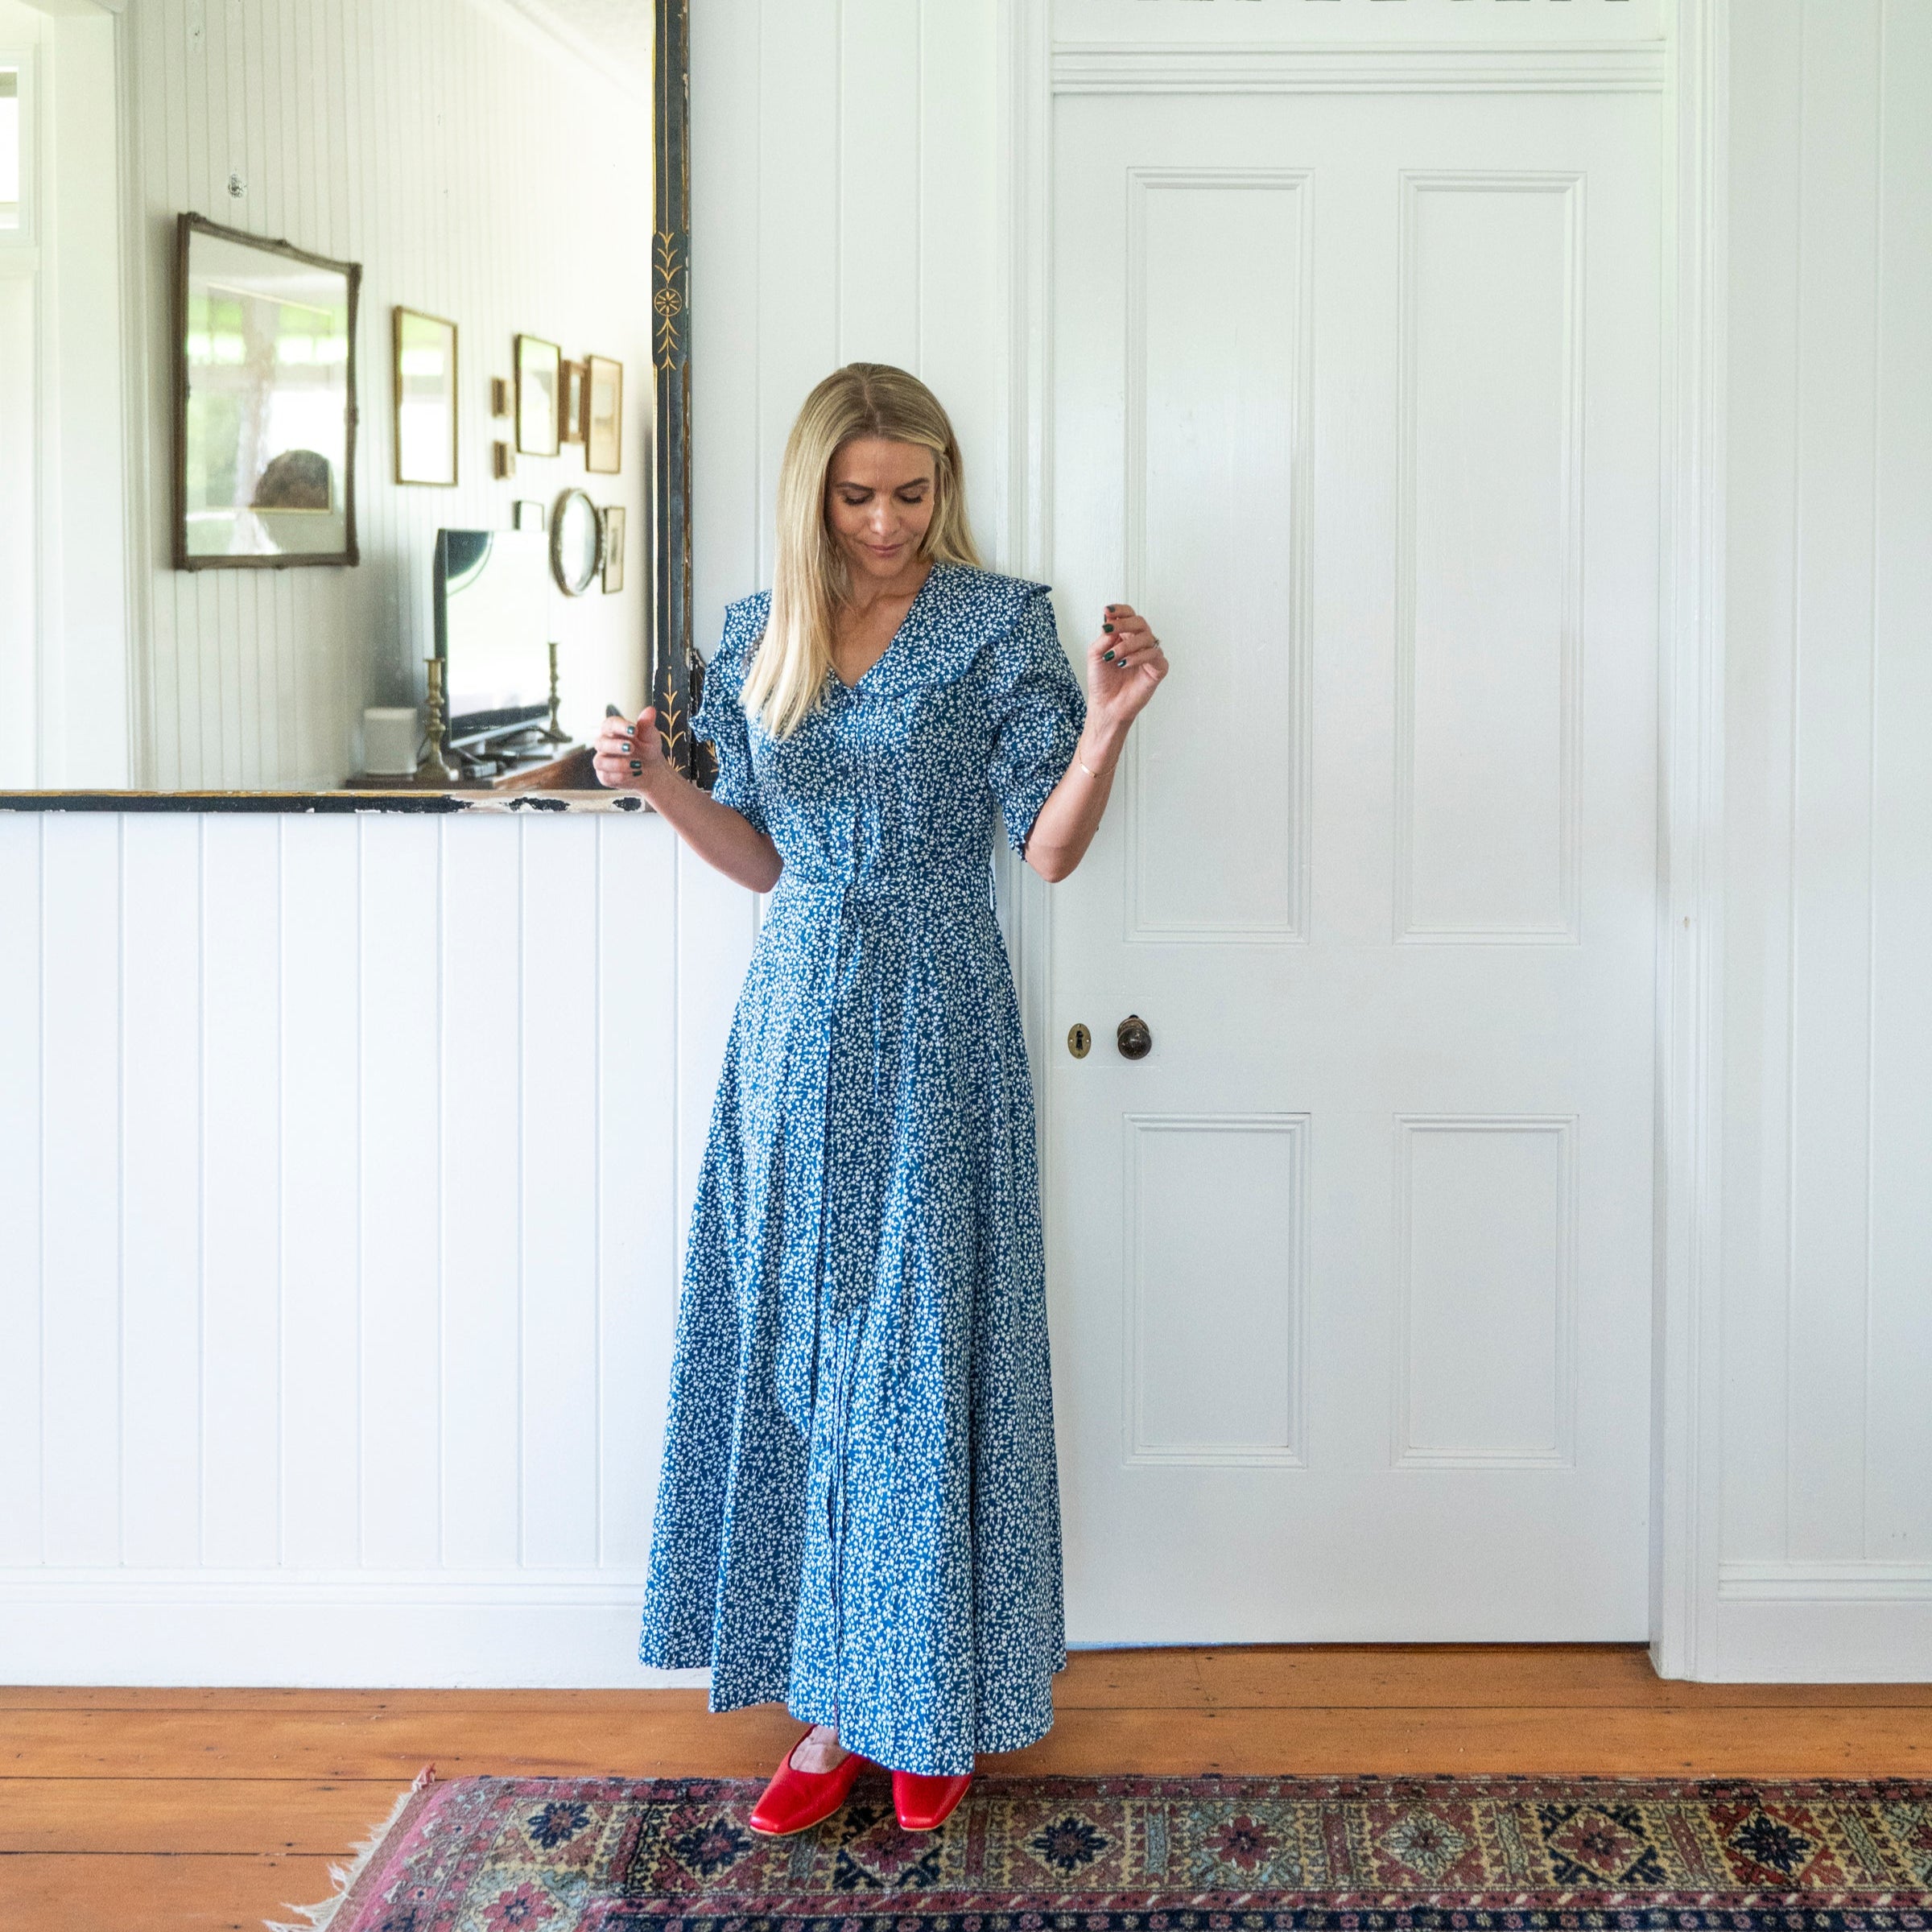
(571, 771)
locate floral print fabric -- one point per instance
(858, 1511)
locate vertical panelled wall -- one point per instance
(477, 170)
(1826, 1557)
(843, 209)
(344, 1161)
(341, 1175)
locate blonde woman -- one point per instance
(858, 1512)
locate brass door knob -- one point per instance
(1132, 1038)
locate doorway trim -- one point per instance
(1689, 69)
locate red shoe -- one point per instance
(795, 1800)
(924, 1804)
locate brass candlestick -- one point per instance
(554, 733)
(434, 767)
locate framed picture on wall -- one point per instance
(604, 428)
(425, 374)
(265, 401)
(613, 548)
(570, 415)
(539, 371)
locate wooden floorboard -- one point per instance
(1332, 1676)
(228, 1817)
(137, 1893)
(129, 1808)
(307, 1748)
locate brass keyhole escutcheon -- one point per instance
(1079, 1040)
(1132, 1038)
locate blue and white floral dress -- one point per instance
(858, 1511)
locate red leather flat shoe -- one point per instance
(924, 1804)
(795, 1800)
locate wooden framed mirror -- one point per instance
(264, 402)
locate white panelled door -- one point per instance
(1357, 395)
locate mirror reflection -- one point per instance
(268, 402)
(331, 461)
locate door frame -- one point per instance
(1689, 68)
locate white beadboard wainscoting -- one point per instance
(1821, 1555)
(342, 1167)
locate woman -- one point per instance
(858, 1512)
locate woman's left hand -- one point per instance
(1124, 663)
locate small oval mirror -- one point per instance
(576, 543)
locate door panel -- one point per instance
(1357, 397)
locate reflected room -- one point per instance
(353, 348)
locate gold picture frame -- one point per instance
(573, 399)
(604, 416)
(423, 374)
(538, 379)
(613, 548)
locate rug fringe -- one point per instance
(342, 1877)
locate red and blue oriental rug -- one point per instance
(1155, 1855)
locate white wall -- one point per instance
(845, 182)
(342, 1161)
(478, 171)
(1825, 1557)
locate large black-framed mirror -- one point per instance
(280, 585)
(672, 654)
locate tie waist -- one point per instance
(965, 881)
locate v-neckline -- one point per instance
(892, 643)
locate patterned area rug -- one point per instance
(1154, 1854)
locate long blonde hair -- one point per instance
(810, 581)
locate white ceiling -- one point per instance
(614, 33)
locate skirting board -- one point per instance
(1809, 1637)
(564, 1629)
(578, 1630)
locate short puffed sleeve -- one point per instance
(720, 718)
(1039, 710)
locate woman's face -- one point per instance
(878, 504)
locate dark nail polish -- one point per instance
(1106, 627)
(624, 745)
(1107, 656)
(637, 765)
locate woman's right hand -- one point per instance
(628, 757)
